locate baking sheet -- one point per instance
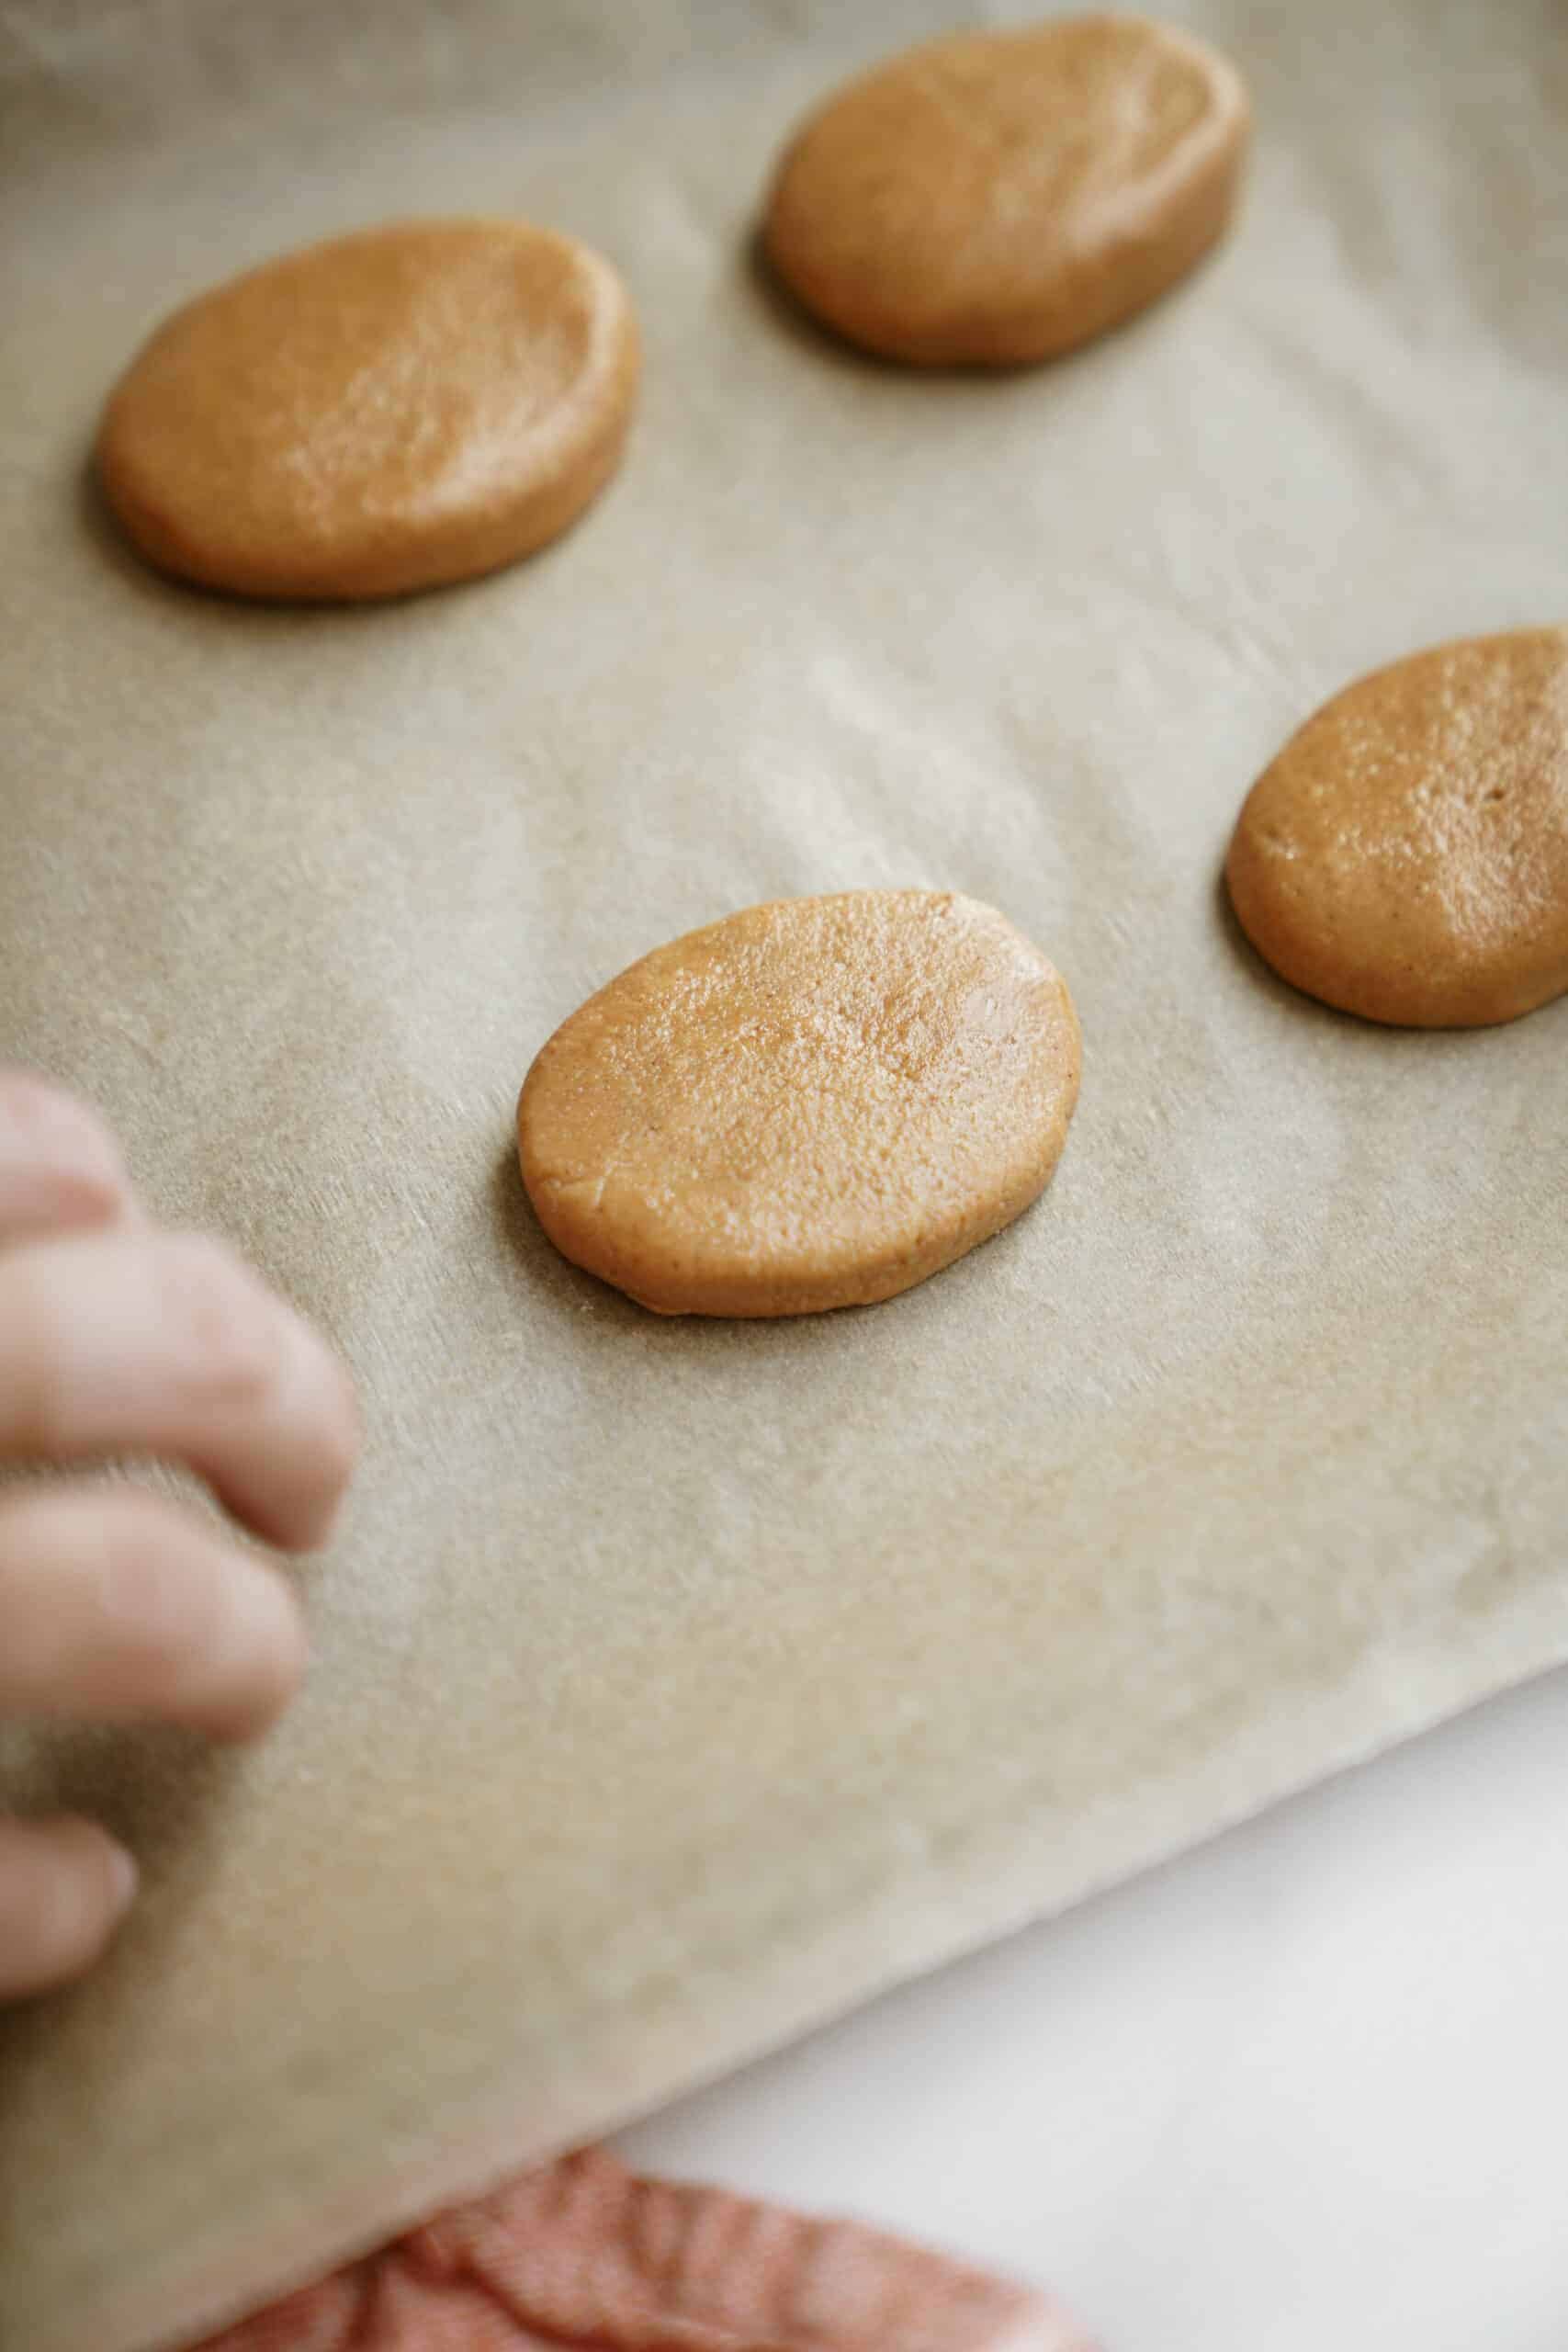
(678, 1685)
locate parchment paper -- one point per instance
(679, 1684)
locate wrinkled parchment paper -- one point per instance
(679, 1684)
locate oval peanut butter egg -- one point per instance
(390, 411)
(1406, 856)
(998, 198)
(813, 1104)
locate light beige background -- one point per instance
(678, 1685)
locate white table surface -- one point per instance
(1302, 2090)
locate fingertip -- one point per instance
(271, 1648)
(328, 1407)
(105, 1872)
(60, 1167)
(65, 1886)
(343, 1438)
(269, 1416)
(124, 1879)
(96, 1883)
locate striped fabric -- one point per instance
(583, 2256)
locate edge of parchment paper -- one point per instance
(639, 2059)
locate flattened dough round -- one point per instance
(390, 411)
(1405, 857)
(814, 1103)
(997, 198)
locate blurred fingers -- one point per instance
(117, 1605)
(131, 1339)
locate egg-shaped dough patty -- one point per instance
(814, 1103)
(1405, 857)
(394, 410)
(997, 198)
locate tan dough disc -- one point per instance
(997, 198)
(394, 410)
(1405, 857)
(814, 1103)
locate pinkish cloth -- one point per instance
(583, 2256)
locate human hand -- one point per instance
(117, 1605)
